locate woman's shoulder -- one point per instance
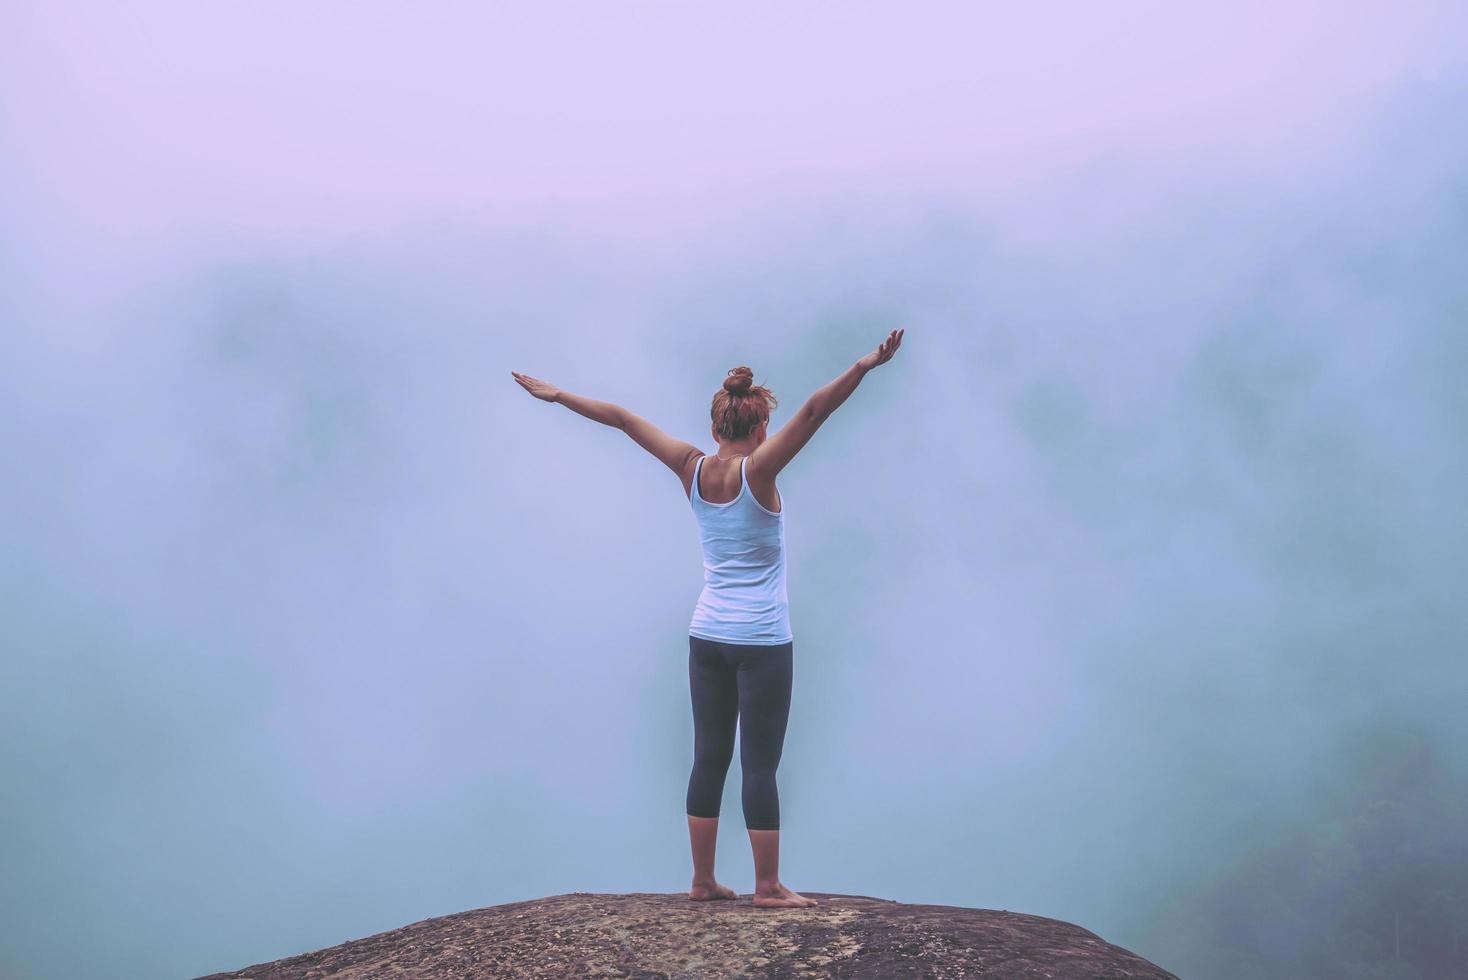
(763, 486)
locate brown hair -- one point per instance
(741, 405)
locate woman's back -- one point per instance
(744, 597)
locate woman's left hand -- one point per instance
(543, 390)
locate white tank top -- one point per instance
(743, 598)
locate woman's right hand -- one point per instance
(884, 351)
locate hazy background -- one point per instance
(1129, 593)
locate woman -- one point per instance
(740, 647)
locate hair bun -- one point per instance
(739, 381)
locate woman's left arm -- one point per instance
(676, 454)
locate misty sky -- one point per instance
(314, 624)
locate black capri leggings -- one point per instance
(749, 683)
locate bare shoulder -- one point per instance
(756, 469)
(685, 473)
(762, 486)
(758, 475)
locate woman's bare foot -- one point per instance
(780, 897)
(708, 891)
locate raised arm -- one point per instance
(775, 453)
(676, 454)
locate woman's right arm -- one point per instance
(778, 450)
(829, 397)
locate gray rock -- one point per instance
(669, 937)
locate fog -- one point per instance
(1128, 593)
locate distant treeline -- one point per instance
(1377, 890)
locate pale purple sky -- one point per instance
(146, 119)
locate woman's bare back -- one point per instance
(719, 483)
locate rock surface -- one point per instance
(667, 936)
